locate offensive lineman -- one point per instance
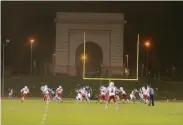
(24, 92)
(111, 90)
(103, 92)
(132, 95)
(141, 95)
(124, 96)
(46, 94)
(89, 93)
(59, 91)
(84, 94)
(79, 95)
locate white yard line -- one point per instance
(45, 114)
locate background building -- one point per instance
(104, 37)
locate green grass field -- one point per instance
(32, 112)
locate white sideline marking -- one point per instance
(45, 114)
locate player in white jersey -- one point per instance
(111, 90)
(132, 95)
(103, 92)
(84, 94)
(59, 91)
(10, 93)
(46, 94)
(147, 94)
(144, 94)
(79, 95)
(89, 93)
(42, 88)
(24, 92)
(141, 95)
(124, 95)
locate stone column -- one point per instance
(72, 70)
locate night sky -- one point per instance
(160, 22)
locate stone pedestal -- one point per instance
(117, 71)
(72, 70)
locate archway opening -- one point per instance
(93, 59)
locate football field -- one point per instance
(36, 112)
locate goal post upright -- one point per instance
(137, 75)
(84, 49)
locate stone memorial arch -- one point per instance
(104, 31)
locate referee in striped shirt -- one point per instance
(151, 93)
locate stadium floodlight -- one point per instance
(147, 45)
(109, 79)
(5, 42)
(31, 41)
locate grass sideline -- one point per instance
(32, 112)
